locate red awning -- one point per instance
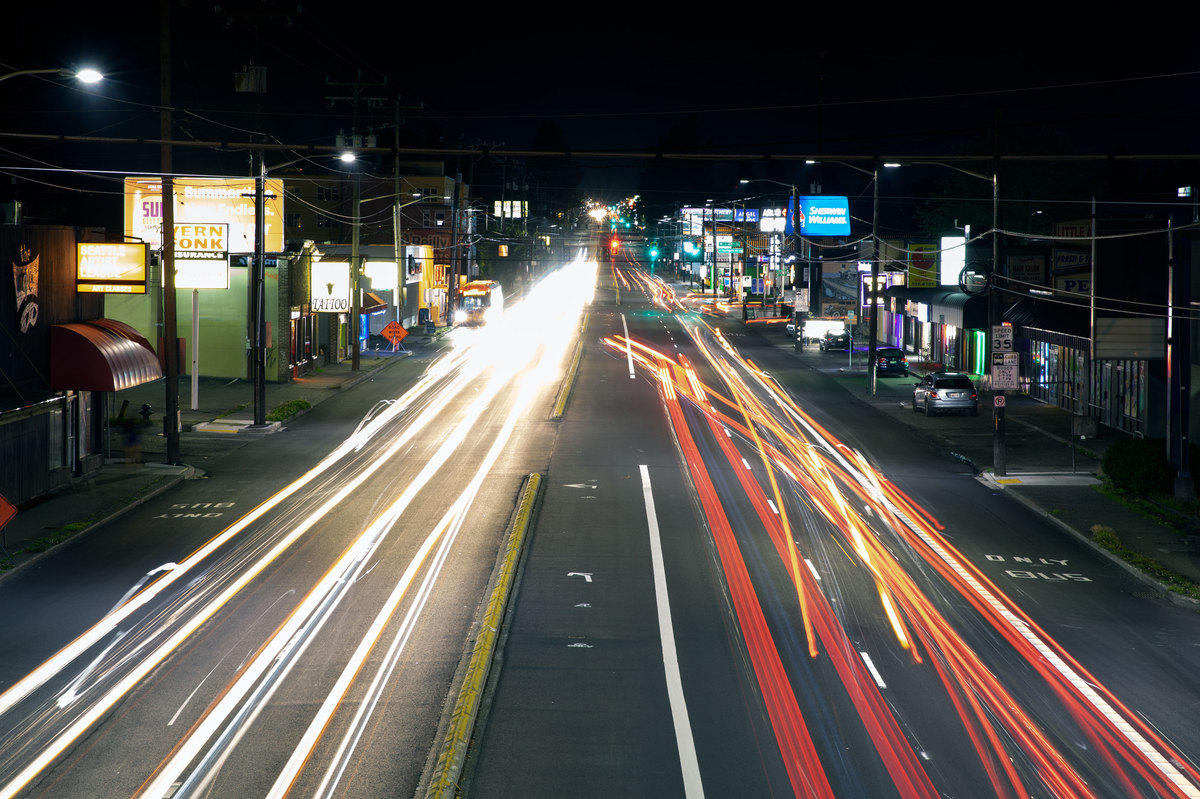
(100, 355)
(372, 302)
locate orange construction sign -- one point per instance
(394, 332)
(7, 511)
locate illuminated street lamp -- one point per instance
(87, 75)
(348, 157)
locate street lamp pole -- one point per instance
(167, 261)
(873, 296)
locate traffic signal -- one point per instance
(614, 244)
(653, 252)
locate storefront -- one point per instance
(936, 326)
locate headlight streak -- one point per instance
(452, 521)
(93, 635)
(510, 349)
(824, 467)
(466, 363)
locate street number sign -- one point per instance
(394, 332)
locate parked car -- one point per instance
(834, 341)
(945, 391)
(891, 361)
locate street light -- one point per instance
(86, 75)
(348, 157)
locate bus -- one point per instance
(480, 300)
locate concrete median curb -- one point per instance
(459, 724)
(568, 382)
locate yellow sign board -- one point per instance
(922, 266)
(204, 201)
(110, 268)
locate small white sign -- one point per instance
(1005, 377)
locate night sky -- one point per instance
(756, 79)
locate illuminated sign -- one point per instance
(201, 201)
(820, 216)
(329, 287)
(922, 266)
(110, 268)
(953, 259)
(202, 256)
(772, 220)
(510, 209)
(383, 275)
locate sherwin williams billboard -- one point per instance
(820, 216)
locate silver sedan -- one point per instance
(945, 391)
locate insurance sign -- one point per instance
(820, 216)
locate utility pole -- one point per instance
(355, 269)
(452, 278)
(356, 96)
(397, 250)
(872, 296)
(995, 318)
(167, 261)
(258, 294)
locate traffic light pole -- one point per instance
(999, 447)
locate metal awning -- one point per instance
(372, 302)
(945, 305)
(100, 355)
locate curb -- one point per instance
(568, 383)
(1175, 598)
(190, 473)
(459, 723)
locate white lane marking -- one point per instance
(871, 668)
(692, 786)
(726, 429)
(774, 509)
(747, 465)
(628, 349)
(587, 576)
(812, 568)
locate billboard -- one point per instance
(820, 216)
(205, 200)
(1028, 268)
(953, 260)
(922, 266)
(110, 268)
(329, 289)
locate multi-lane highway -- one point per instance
(744, 582)
(740, 582)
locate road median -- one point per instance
(458, 725)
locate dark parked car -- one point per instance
(945, 391)
(835, 341)
(891, 361)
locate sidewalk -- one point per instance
(120, 486)
(1042, 473)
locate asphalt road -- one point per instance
(924, 635)
(293, 621)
